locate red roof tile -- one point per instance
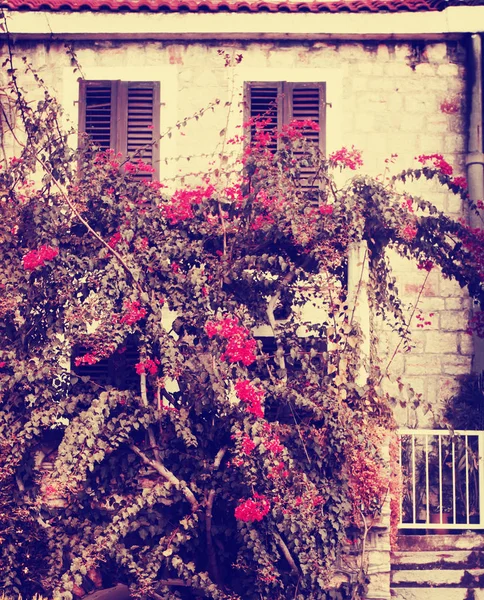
(331, 6)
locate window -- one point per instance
(123, 116)
(283, 102)
(118, 371)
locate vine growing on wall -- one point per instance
(230, 448)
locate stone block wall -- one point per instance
(405, 98)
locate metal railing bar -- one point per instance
(481, 476)
(441, 497)
(467, 478)
(454, 496)
(427, 479)
(414, 486)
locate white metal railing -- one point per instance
(442, 479)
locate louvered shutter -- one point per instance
(96, 114)
(123, 116)
(307, 101)
(265, 102)
(119, 370)
(142, 123)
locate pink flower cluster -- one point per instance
(88, 359)
(438, 162)
(180, 207)
(279, 471)
(239, 346)
(261, 221)
(326, 209)
(460, 181)
(247, 393)
(233, 193)
(147, 366)
(422, 321)
(156, 185)
(109, 158)
(133, 313)
(305, 124)
(138, 167)
(247, 445)
(426, 265)
(308, 499)
(37, 258)
(253, 509)
(274, 445)
(408, 204)
(114, 240)
(346, 158)
(408, 233)
(293, 129)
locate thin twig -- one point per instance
(408, 328)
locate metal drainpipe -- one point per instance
(475, 159)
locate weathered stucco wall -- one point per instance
(384, 98)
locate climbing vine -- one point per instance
(229, 446)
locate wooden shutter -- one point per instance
(264, 101)
(142, 123)
(305, 101)
(96, 114)
(123, 116)
(118, 371)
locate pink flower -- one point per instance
(274, 445)
(133, 313)
(138, 167)
(261, 221)
(253, 509)
(239, 346)
(147, 366)
(438, 162)
(37, 258)
(346, 158)
(408, 204)
(180, 207)
(426, 265)
(408, 233)
(326, 209)
(247, 393)
(247, 445)
(88, 359)
(114, 240)
(460, 181)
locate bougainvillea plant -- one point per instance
(151, 435)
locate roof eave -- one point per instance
(453, 22)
